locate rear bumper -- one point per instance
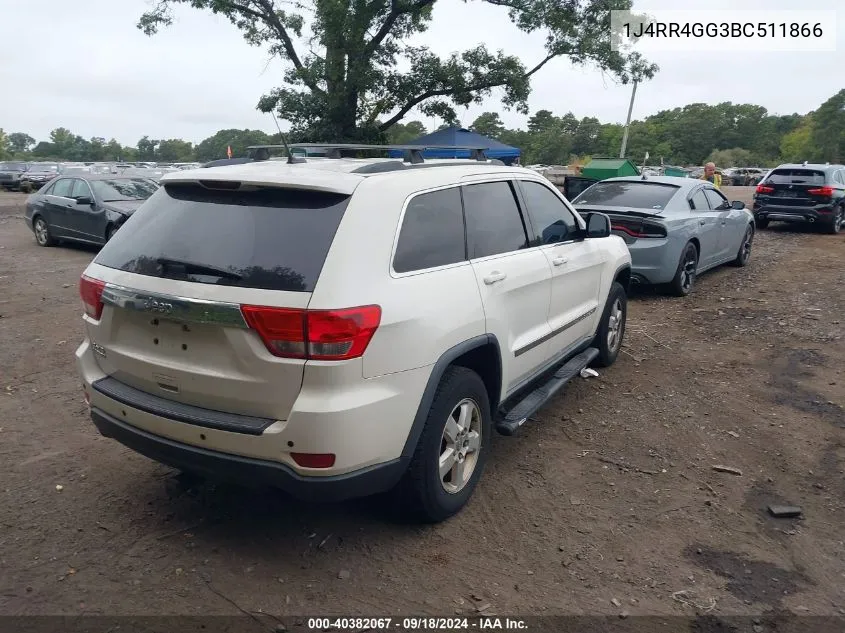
(653, 261)
(249, 471)
(777, 213)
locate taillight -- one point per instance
(638, 228)
(764, 189)
(314, 460)
(91, 291)
(825, 191)
(314, 334)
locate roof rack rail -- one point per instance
(412, 153)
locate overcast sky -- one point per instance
(83, 65)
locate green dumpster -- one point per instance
(675, 171)
(602, 168)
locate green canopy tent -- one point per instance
(602, 168)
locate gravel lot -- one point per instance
(607, 502)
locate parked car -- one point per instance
(261, 326)
(38, 175)
(802, 193)
(11, 174)
(84, 208)
(676, 228)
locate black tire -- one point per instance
(422, 493)
(41, 229)
(684, 280)
(617, 302)
(836, 223)
(761, 223)
(744, 252)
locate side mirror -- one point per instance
(84, 200)
(598, 225)
(738, 205)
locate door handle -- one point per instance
(494, 277)
(559, 261)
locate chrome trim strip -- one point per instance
(173, 308)
(553, 333)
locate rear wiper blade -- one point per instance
(200, 269)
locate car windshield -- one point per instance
(13, 166)
(625, 193)
(118, 189)
(796, 177)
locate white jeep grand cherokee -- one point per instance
(342, 327)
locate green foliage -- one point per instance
(4, 144)
(359, 77)
(403, 133)
(214, 147)
(736, 157)
(829, 129)
(488, 124)
(20, 142)
(797, 145)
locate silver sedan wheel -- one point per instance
(460, 446)
(615, 326)
(688, 271)
(41, 232)
(747, 242)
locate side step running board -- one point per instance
(525, 408)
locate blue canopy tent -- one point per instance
(462, 137)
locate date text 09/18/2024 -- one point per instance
(480, 623)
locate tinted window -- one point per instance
(552, 221)
(63, 187)
(494, 224)
(717, 201)
(698, 202)
(432, 232)
(796, 177)
(80, 188)
(270, 238)
(117, 189)
(637, 194)
(840, 177)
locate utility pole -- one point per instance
(628, 122)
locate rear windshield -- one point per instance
(621, 193)
(270, 238)
(796, 177)
(120, 189)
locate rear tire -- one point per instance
(459, 417)
(744, 253)
(836, 224)
(43, 237)
(612, 326)
(761, 223)
(684, 280)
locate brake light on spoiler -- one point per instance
(314, 334)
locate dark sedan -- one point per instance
(10, 175)
(38, 175)
(85, 209)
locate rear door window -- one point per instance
(552, 221)
(796, 177)
(63, 188)
(494, 223)
(432, 232)
(638, 194)
(268, 238)
(698, 202)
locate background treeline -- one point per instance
(729, 134)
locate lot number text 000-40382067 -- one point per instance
(696, 30)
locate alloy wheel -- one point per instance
(460, 445)
(746, 244)
(41, 234)
(688, 272)
(615, 326)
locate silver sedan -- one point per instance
(675, 228)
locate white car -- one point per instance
(341, 327)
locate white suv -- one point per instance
(342, 327)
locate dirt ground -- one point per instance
(607, 502)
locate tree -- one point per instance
(829, 129)
(4, 144)
(147, 148)
(736, 157)
(359, 69)
(175, 150)
(20, 142)
(798, 146)
(214, 147)
(403, 133)
(488, 124)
